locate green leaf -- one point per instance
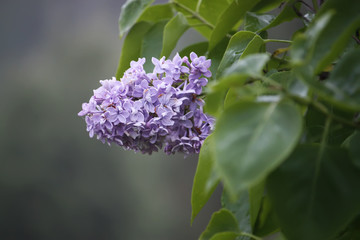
(131, 49)
(233, 14)
(205, 180)
(344, 82)
(331, 29)
(342, 88)
(199, 48)
(248, 92)
(246, 207)
(314, 121)
(354, 149)
(267, 5)
(157, 13)
(211, 9)
(235, 76)
(255, 197)
(216, 55)
(304, 43)
(251, 65)
(153, 44)
(291, 83)
(245, 150)
(234, 50)
(233, 80)
(286, 14)
(130, 12)
(256, 45)
(266, 223)
(238, 73)
(173, 30)
(214, 102)
(255, 22)
(188, 8)
(240, 209)
(225, 236)
(352, 231)
(315, 193)
(221, 221)
(337, 33)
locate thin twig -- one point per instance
(356, 40)
(277, 40)
(299, 14)
(307, 101)
(307, 5)
(193, 13)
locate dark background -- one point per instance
(56, 182)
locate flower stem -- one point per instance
(324, 110)
(307, 101)
(193, 13)
(277, 40)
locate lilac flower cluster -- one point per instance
(147, 111)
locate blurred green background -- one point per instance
(56, 182)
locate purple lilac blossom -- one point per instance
(148, 111)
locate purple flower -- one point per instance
(199, 66)
(146, 111)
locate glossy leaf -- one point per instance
(245, 150)
(238, 73)
(173, 30)
(267, 5)
(130, 12)
(251, 65)
(235, 76)
(286, 14)
(315, 192)
(255, 22)
(256, 45)
(205, 180)
(131, 49)
(156, 13)
(153, 44)
(234, 50)
(221, 221)
(199, 48)
(233, 14)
